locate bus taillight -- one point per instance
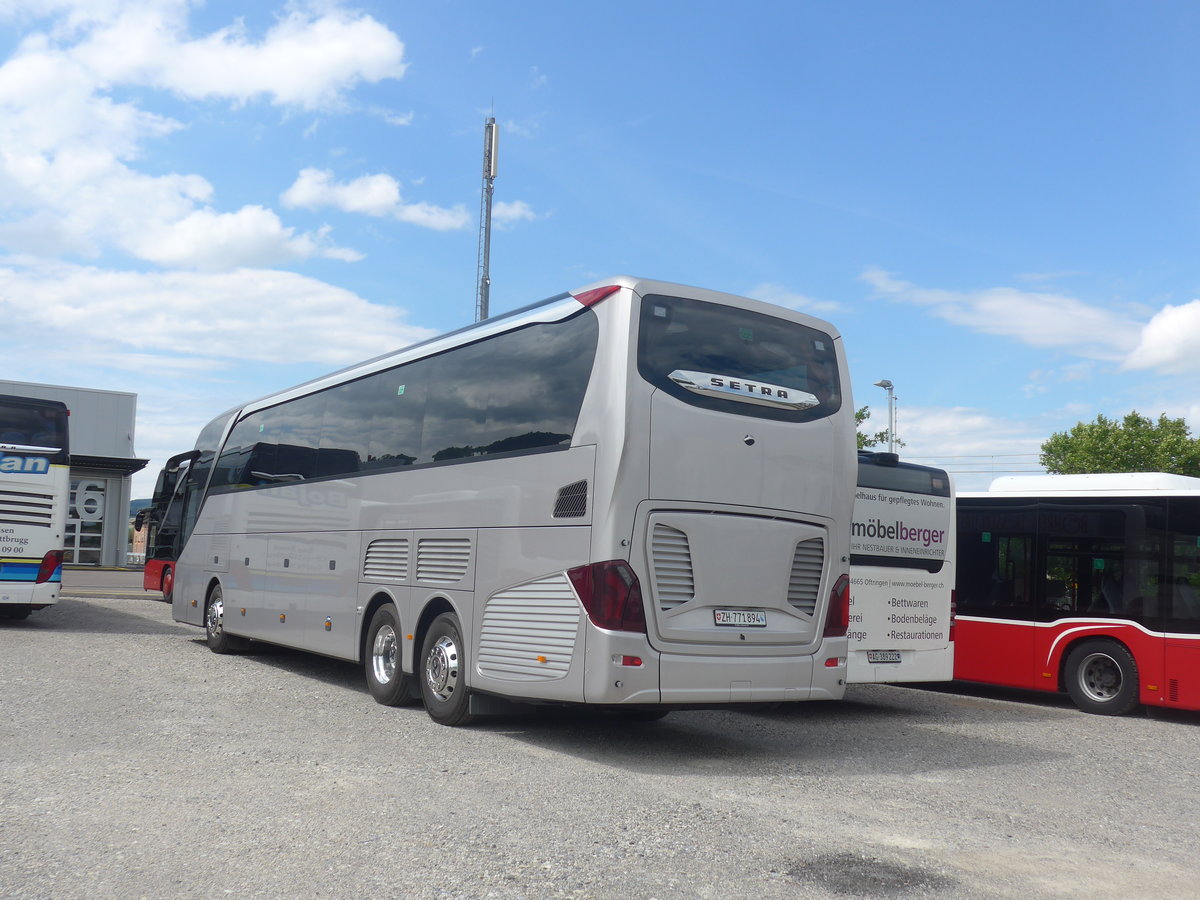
(837, 619)
(50, 564)
(953, 612)
(611, 595)
(594, 296)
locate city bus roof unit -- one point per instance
(1109, 482)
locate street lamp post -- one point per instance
(889, 387)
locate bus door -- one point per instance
(1181, 605)
(995, 568)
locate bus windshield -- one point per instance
(33, 426)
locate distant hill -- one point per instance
(136, 506)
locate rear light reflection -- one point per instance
(611, 595)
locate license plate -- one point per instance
(740, 618)
(883, 656)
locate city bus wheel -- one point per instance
(1102, 678)
(168, 584)
(214, 623)
(15, 612)
(443, 672)
(385, 678)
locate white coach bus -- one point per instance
(635, 495)
(902, 555)
(35, 466)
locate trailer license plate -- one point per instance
(740, 618)
(883, 656)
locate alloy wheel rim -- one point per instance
(441, 668)
(383, 655)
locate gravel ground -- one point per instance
(139, 764)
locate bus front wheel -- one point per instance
(1102, 678)
(168, 584)
(442, 672)
(214, 623)
(385, 678)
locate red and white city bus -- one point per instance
(162, 520)
(1083, 583)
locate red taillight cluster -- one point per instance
(837, 619)
(953, 612)
(611, 595)
(50, 563)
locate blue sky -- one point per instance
(997, 204)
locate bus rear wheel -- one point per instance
(385, 678)
(1102, 678)
(442, 672)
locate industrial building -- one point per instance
(102, 466)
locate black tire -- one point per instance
(1102, 678)
(214, 624)
(381, 660)
(168, 584)
(442, 672)
(15, 612)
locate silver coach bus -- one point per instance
(636, 495)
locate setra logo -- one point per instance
(24, 465)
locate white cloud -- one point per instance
(506, 213)
(243, 315)
(208, 240)
(974, 446)
(1170, 341)
(373, 195)
(68, 149)
(781, 296)
(306, 60)
(1035, 318)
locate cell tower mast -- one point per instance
(491, 137)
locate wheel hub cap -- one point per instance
(441, 668)
(383, 655)
(1101, 678)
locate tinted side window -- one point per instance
(514, 392)
(517, 391)
(539, 378)
(1182, 600)
(996, 546)
(1102, 557)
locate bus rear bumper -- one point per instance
(36, 596)
(628, 671)
(705, 679)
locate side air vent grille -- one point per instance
(807, 564)
(674, 583)
(572, 501)
(387, 559)
(443, 560)
(1173, 690)
(529, 631)
(26, 508)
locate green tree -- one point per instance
(1133, 444)
(866, 441)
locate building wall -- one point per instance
(102, 429)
